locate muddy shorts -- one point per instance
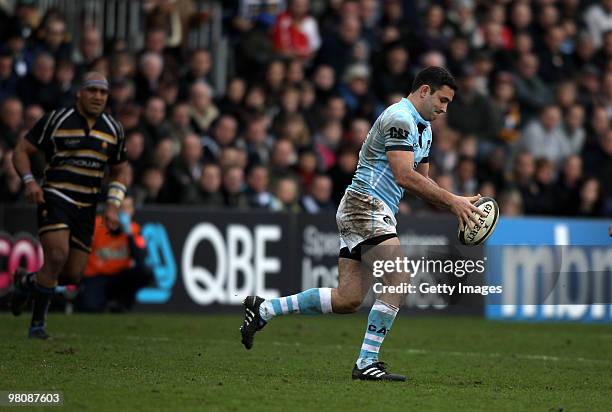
(362, 217)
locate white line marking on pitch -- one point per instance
(464, 354)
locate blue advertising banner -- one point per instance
(550, 270)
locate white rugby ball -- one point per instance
(486, 225)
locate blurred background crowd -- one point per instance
(264, 104)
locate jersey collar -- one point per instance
(414, 111)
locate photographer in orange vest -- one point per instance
(116, 268)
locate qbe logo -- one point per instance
(240, 261)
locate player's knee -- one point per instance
(347, 305)
(56, 258)
(353, 304)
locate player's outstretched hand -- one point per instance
(33, 193)
(464, 209)
(111, 217)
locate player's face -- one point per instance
(437, 103)
(93, 100)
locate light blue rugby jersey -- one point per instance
(399, 127)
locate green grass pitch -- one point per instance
(196, 362)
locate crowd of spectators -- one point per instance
(530, 124)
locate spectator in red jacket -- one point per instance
(295, 32)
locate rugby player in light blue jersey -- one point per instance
(393, 159)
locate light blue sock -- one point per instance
(380, 320)
(309, 302)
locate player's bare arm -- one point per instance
(116, 194)
(21, 161)
(401, 162)
(423, 169)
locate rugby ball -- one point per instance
(486, 225)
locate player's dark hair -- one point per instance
(435, 77)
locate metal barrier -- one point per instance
(125, 20)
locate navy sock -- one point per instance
(42, 299)
(26, 283)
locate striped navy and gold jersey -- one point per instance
(76, 154)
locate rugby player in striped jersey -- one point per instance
(79, 143)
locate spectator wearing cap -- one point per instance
(355, 90)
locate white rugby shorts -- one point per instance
(361, 217)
